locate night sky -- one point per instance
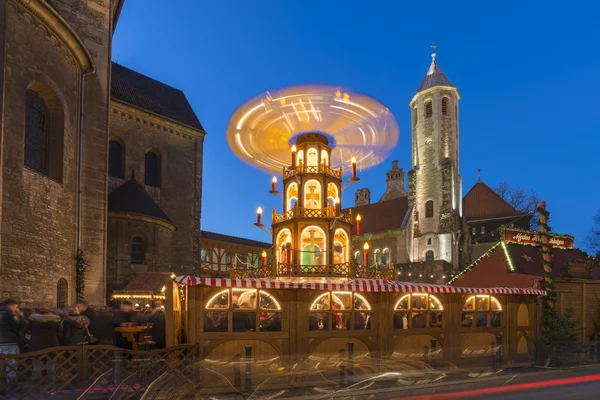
(527, 73)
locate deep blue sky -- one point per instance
(527, 73)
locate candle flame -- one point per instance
(366, 246)
(274, 180)
(264, 254)
(259, 210)
(336, 200)
(293, 148)
(353, 160)
(358, 217)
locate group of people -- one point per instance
(25, 329)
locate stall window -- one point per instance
(248, 310)
(418, 310)
(340, 311)
(482, 311)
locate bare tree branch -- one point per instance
(593, 238)
(519, 199)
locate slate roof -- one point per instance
(138, 90)
(434, 77)
(147, 281)
(132, 198)
(381, 216)
(493, 270)
(234, 240)
(482, 202)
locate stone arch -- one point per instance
(418, 347)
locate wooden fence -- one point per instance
(88, 372)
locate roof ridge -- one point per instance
(148, 77)
(234, 237)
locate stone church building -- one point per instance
(94, 156)
(428, 233)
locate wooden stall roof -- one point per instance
(145, 282)
(353, 285)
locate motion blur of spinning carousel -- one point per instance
(312, 315)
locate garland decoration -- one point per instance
(80, 269)
(547, 284)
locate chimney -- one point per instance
(362, 197)
(394, 183)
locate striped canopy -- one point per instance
(351, 285)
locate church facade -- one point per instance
(64, 105)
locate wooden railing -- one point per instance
(250, 272)
(374, 272)
(341, 269)
(301, 212)
(320, 169)
(71, 370)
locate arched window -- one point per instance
(311, 157)
(138, 250)
(429, 209)
(116, 163)
(332, 194)
(357, 258)
(152, 169)
(62, 293)
(300, 158)
(324, 158)
(283, 238)
(37, 133)
(312, 194)
(445, 106)
(44, 131)
(377, 256)
(428, 109)
(418, 310)
(429, 256)
(340, 246)
(251, 310)
(482, 311)
(340, 311)
(385, 259)
(313, 246)
(292, 195)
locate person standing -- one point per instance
(10, 326)
(85, 310)
(158, 327)
(122, 317)
(74, 328)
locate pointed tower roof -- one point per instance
(434, 76)
(132, 198)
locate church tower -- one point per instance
(434, 180)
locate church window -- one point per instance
(445, 106)
(429, 209)
(429, 256)
(62, 293)
(43, 150)
(482, 229)
(377, 255)
(152, 169)
(385, 260)
(116, 164)
(138, 250)
(428, 109)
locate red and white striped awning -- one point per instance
(350, 285)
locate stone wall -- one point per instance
(121, 231)
(180, 152)
(38, 235)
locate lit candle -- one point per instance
(353, 168)
(336, 201)
(259, 216)
(366, 254)
(358, 219)
(264, 258)
(274, 184)
(293, 156)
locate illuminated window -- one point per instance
(116, 159)
(312, 244)
(445, 106)
(429, 256)
(283, 238)
(311, 157)
(251, 310)
(482, 311)
(418, 310)
(312, 194)
(138, 250)
(340, 311)
(152, 169)
(340, 246)
(206, 255)
(324, 158)
(429, 209)
(428, 109)
(357, 258)
(332, 194)
(385, 259)
(300, 158)
(377, 256)
(292, 196)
